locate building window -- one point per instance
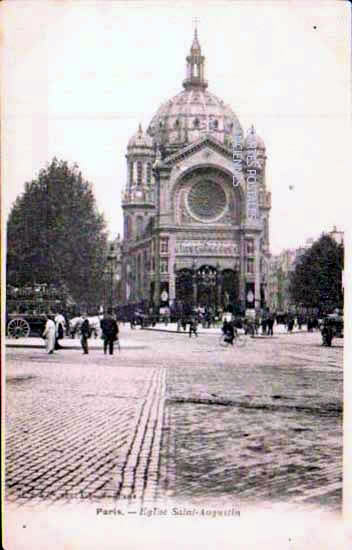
(139, 172)
(177, 123)
(196, 123)
(128, 227)
(250, 266)
(149, 173)
(266, 230)
(131, 173)
(250, 247)
(215, 124)
(164, 245)
(139, 226)
(164, 265)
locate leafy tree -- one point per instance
(317, 279)
(56, 235)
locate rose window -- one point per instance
(206, 200)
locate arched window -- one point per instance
(149, 173)
(139, 272)
(139, 226)
(196, 123)
(215, 124)
(128, 227)
(250, 266)
(177, 123)
(131, 173)
(139, 172)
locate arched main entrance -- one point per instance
(207, 286)
(207, 281)
(230, 289)
(184, 286)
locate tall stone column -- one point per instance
(257, 273)
(194, 283)
(218, 289)
(172, 264)
(242, 270)
(156, 171)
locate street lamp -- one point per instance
(156, 172)
(111, 259)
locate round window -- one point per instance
(206, 200)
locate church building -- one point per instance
(195, 205)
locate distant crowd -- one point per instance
(106, 326)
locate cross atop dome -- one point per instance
(195, 65)
(195, 48)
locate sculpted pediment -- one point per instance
(207, 152)
(208, 146)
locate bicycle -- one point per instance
(225, 340)
(117, 343)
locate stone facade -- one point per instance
(195, 205)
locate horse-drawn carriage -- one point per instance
(332, 327)
(27, 306)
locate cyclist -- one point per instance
(193, 325)
(228, 331)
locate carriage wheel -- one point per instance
(18, 328)
(240, 341)
(223, 341)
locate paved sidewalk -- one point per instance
(72, 343)
(172, 327)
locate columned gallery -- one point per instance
(195, 205)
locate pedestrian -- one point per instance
(193, 325)
(290, 324)
(264, 324)
(178, 324)
(299, 322)
(327, 333)
(270, 324)
(60, 324)
(85, 334)
(110, 332)
(310, 324)
(49, 334)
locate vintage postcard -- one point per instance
(175, 287)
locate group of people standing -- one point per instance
(55, 329)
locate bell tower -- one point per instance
(138, 196)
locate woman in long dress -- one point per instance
(50, 335)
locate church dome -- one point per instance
(140, 140)
(194, 111)
(252, 140)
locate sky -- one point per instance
(79, 76)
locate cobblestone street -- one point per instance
(177, 418)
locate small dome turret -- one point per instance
(140, 140)
(252, 140)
